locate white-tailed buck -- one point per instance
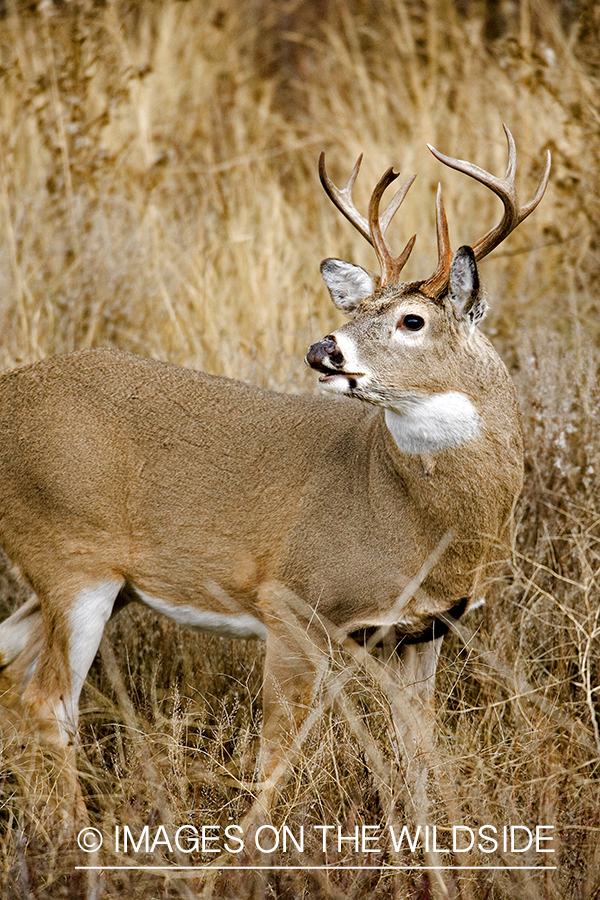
(212, 501)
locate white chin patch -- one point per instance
(439, 422)
(341, 384)
(357, 374)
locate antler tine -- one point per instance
(391, 265)
(436, 284)
(505, 189)
(343, 198)
(374, 228)
(394, 205)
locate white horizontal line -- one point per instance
(309, 868)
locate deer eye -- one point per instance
(411, 322)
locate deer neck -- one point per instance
(430, 424)
(462, 467)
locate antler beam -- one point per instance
(373, 229)
(505, 189)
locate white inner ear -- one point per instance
(465, 290)
(348, 284)
(427, 424)
(462, 282)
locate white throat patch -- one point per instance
(427, 424)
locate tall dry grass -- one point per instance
(158, 192)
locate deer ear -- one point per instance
(348, 284)
(466, 292)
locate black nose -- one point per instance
(325, 355)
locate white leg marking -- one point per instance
(427, 424)
(90, 613)
(17, 630)
(243, 625)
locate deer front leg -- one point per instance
(294, 664)
(411, 698)
(412, 705)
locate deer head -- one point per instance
(413, 347)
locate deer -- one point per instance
(380, 503)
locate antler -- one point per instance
(373, 229)
(513, 213)
(437, 283)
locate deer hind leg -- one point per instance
(21, 638)
(72, 628)
(46, 649)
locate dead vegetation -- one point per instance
(159, 193)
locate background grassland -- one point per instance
(159, 193)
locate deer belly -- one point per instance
(230, 624)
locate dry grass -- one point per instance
(158, 192)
